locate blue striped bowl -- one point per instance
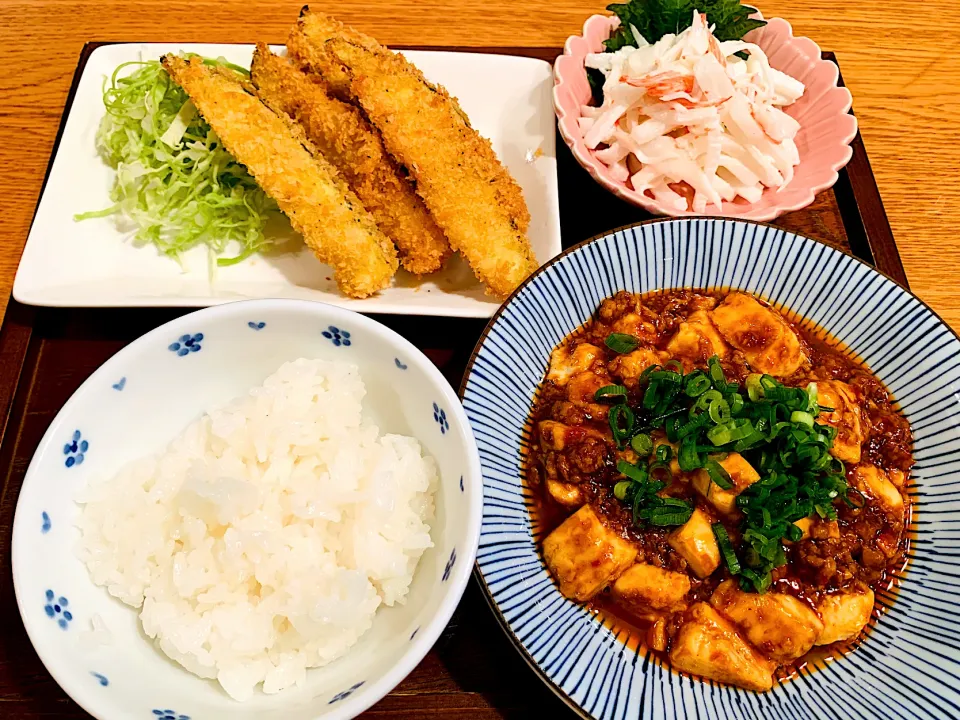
(908, 666)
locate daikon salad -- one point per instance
(692, 121)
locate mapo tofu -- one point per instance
(726, 483)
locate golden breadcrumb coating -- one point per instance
(320, 205)
(348, 141)
(472, 197)
(305, 46)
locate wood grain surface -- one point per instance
(900, 60)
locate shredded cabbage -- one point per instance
(176, 186)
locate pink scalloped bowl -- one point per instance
(826, 126)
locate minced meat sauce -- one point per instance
(862, 549)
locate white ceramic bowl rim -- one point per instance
(374, 689)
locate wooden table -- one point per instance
(900, 60)
(909, 132)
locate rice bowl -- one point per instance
(268, 533)
(138, 403)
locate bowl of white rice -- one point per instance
(266, 509)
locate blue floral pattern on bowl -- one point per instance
(120, 384)
(256, 325)
(337, 336)
(75, 450)
(102, 679)
(402, 366)
(169, 715)
(449, 566)
(46, 524)
(186, 344)
(440, 417)
(343, 695)
(56, 609)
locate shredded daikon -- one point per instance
(688, 109)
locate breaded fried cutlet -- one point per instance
(347, 140)
(320, 205)
(305, 45)
(473, 198)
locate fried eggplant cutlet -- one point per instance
(305, 45)
(320, 205)
(473, 198)
(348, 141)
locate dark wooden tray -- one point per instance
(46, 353)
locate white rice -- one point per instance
(262, 541)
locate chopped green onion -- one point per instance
(664, 453)
(675, 364)
(620, 489)
(651, 395)
(716, 373)
(692, 426)
(618, 393)
(718, 474)
(621, 342)
(635, 473)
(730, 431)
(802, 417)
(661, 472)
(736, 403)
(726, 548)
(719, 411)
(794, 533)
(688, 458)
(642, 445)
(706, 399)
(621, 421)
(860, 499)
(754, 388)
(696, 384)
(671, 518)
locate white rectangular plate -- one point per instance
(93, 263)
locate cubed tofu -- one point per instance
(696, 340)
(767, 342)
(742, 475)
(581, 391)
(696, 544)
(780, 626)
(585, 556)
(630, 366)
(845, 417)
(817, 528)
(647, 587)
(822, 529)
(566, 494)
(633, 324)
(878, 489)
(556, 436)
(567, 361)
(709, 645)
(553, 435)
(844, 615)
(897, 477)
